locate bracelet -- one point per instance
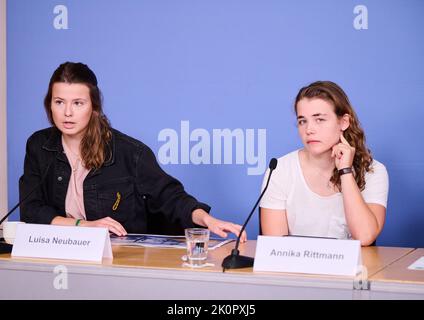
(78, 222)
(345, 170)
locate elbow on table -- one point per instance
(366, 239)
(366, 242)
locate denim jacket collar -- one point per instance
(54, 144)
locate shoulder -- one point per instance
(288, 160)
(377, 176)
(286, 166)
(126, 145)
(376, 184)
(41, 136)
(377, 169)
(282, 181)
(123, 140)
(289, 157)
(47, 139)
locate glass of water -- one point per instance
(197, 240)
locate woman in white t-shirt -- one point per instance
(332, 187)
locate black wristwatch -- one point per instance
(345, 170)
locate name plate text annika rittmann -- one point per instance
(308, 255)
(62, 242)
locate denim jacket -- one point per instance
(131, 170)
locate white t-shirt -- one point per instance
(310, 214)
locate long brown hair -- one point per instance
(354, 134)
(94, 145)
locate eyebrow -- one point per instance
(72, 99)
(314, 115)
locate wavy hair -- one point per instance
(94, 144)
(354, 134)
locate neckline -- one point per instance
(337, 194)
(74, 159)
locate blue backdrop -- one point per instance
(181, 75)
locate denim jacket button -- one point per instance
(59, 178)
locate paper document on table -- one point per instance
(417, 265)
(161, 241)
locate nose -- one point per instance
(310, 128)
(68, 110)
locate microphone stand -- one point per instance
(235, 260)
(6, 247)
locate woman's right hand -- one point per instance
(112, 225)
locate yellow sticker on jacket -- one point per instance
(118, 200)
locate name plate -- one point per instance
(62, 242)
(308, 255)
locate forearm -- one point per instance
(362, 222)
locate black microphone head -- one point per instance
(273, 164)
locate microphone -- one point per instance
(5, 247)
(235, 260)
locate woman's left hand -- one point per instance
(220, 227)
(343, 154)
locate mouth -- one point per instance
(312, 141)
(68, 124)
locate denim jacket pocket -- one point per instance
(116, 200)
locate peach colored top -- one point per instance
(74, 203)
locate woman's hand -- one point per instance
(343, 154)
(112, 225)
(219, 227)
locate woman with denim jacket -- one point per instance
(86, 173)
